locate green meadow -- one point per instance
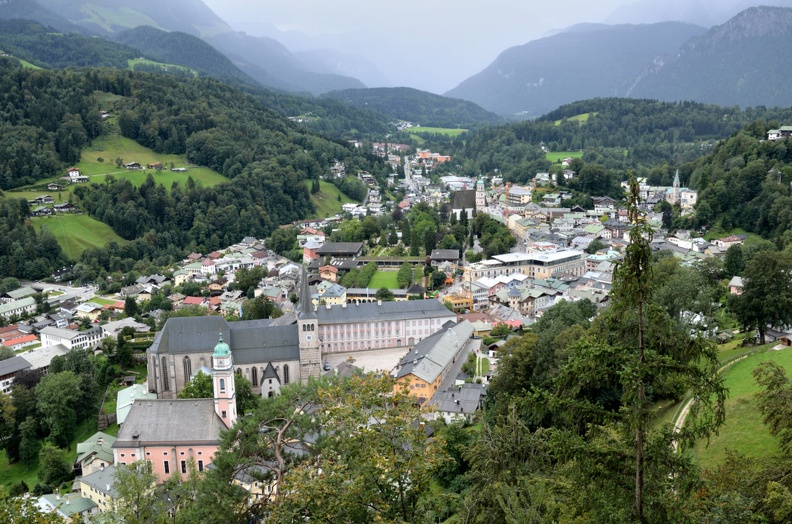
(557, 156)
(744, 430)
(438, 130)
(98, 162)
(582, 118)
(76, 233)
(326, 200)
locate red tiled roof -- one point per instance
(193, 301)
(20, 340)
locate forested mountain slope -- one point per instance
(45, 48)
(617, 133)
(413, 105)
(745, 183)
(183, 49)
(585, 62)
(742, 62)
(47, 116)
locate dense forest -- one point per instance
(44, 47)
(49, 116)
(413, 105)
(746, 183)
(185, 50)
(617, 134)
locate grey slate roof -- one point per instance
(166, 422)
(465, 199)
(428, 308)
(250, 340)
(102, 480)
(344, 249)
(13, 365)
(432, 355)
(445, 254)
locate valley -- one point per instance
(572, 272)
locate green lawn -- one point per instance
(108, 148)
(557, 156)
(744, 430)
(133, 62)
(76, 233)
(577, 118)
(454, 132)
(326, 200)
(384, 279)
(60, 196)
(717, 232)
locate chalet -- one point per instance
(54, 187)
(65, 208)
(782, 133)
(133, 165)
(155, 165)
(178, 170)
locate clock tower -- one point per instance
(308, 333)
(223, 379)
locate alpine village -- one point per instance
(235, 290)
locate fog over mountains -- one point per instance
(512, 58)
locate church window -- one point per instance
(239, 371)
(187, 369)
(167, 467)
(184, 466)
(285, 373)
(223, 414)
(165, 381)
(200, 465)
(222, 385)
(254, 376)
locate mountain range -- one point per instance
(739, 62)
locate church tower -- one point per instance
(677, 199)
(308, 333)
(223, 379)
(481, 195)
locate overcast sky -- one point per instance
(435, 44)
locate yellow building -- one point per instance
(99, 487)
(424, 367)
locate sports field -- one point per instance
(384, 279)
(438, 130)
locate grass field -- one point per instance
(717, 232)
(60, 196)
(558, 156)
(133, 62)
(577, 118)
(76, 233)
(326, 200)
(384, 279)
(744, 430)
(108, 148)
(439, 130)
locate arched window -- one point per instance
(285, 373)
(222, 385)
(187, 363)
(254, 377)
(165, 381)
(239, 371)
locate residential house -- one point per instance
(94, 454)
(736, 285)
(68, 506)
(329, 273)
(459, 403)
(99, 487)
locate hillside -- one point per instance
(413, 105)
(183, 49)
(741, 62)
(112, 16)
(269, 62)
(31, 10)
(45, 48)
(586, 62)
(50, 119)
